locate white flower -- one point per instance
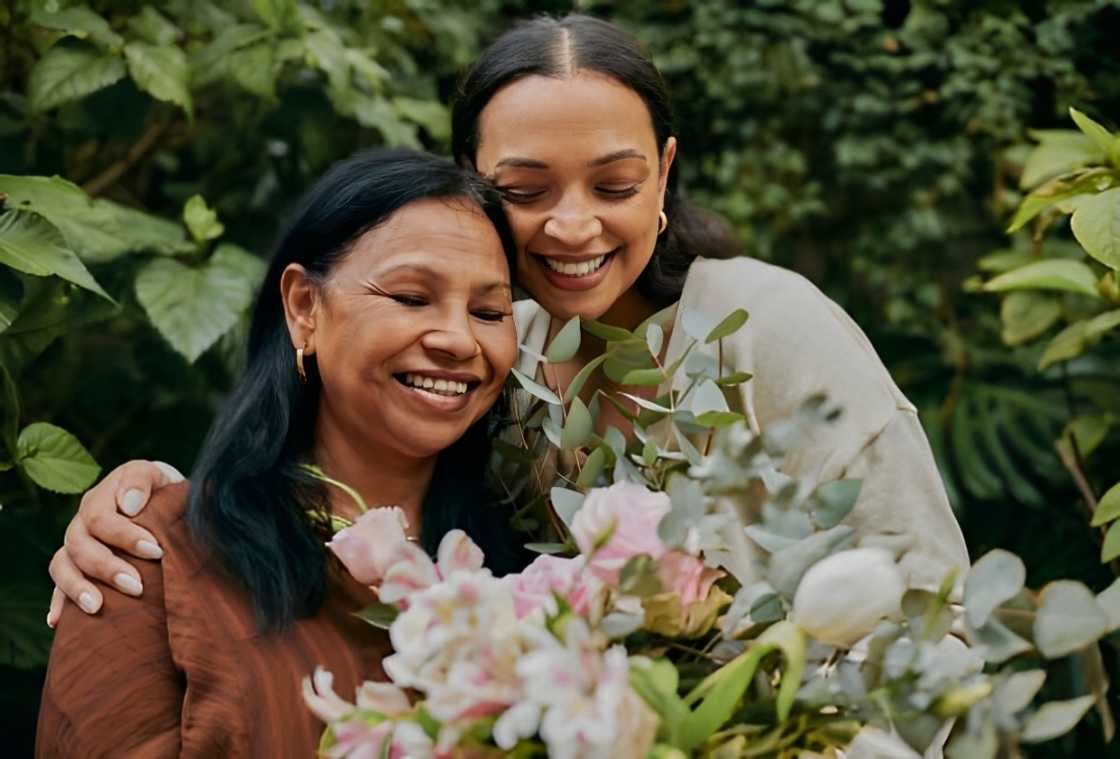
(843, 597)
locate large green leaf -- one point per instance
(32, 245)
(1069, 276)
(1096, 225)
(65, 74)
(79, 22)
(193, 306)
(55, 459)
(97, 230)
(161, 71)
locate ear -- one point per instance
(666, 163)
(301, 296)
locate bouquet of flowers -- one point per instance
(637, 633)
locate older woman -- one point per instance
(379, 343)
(572, 121)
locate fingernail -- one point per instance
(132, 501)
(128, 584)
(88, 602)
(50, 620)
(172, 474)
(148, 549)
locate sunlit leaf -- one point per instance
(1060, 151)
(55, 459)
(201, 220)
(1100, 136)
(1084, 183)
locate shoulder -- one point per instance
(725, 283)
(165, 516)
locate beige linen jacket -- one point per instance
(799, 343)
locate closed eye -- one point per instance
(520, 196)
(619, 192)
(491, 316)
(409, 300)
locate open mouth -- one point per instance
(435, 385)
(577, 269)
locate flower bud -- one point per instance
(843, 597)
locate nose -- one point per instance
(453, 337)
(573, 224)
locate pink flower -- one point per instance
(687, 576)
(372, 544)
(618, 523)
(547, 575)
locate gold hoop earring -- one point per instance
(662, 222)
(299, 366)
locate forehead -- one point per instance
(450, 234)
(584, 114)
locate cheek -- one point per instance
(500, 349)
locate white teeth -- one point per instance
(437, 386)
(581, 269)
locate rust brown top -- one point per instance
(184, 671)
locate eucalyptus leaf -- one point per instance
(1050, 274)
(547, 548)
(643, 377)
(577, 426)
(564, 346)
(566, 503)
(593, 467)
(708, 397)
(66, 74)
(1015, 693)
(378, 615)
(1055, 718)
(788, 565)
(697, 324)
(578, 381)
(638, 577)
(552, 431)
(1068, 619)
(31, 244)
(534, 388)
(1096, 225)
(997, 577)
(606, 331)
(733, 379)
(835, 500)
(648, 405)
(995, 642)
(54, 459)
(730, 324)
(694, 457)
(719, 419)
(193, 306)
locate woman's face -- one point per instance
(412, 331)
(577, 162)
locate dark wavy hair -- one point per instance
(559, 47)
(251, 503)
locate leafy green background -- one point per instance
(876, 146)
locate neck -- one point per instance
(380, 477)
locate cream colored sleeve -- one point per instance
(799, 343)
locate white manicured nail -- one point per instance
(88, 602)
(172, 474)
(128, 584)
(132, 502)
(148, 549)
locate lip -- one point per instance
(562, 282)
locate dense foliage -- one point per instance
(879, 147)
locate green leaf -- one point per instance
(995, 643)
(566, 503)
(1108, 508)
(1068, 276)
(996, 578)
(201, 220)
(646, 404)
(1084, 183)
(378, 615)
(717, 420)
(638, 577)
(1069, 618)
(1100, 136)
(80, 22)
(161, 71)
(592, 468)
(1088, 431)
(254, 68)
(656, 684)
(788, 565)
(32, 245)
(1055, 718)
(11, 296)
(1110, 549)
(66, 74)
(193, 306)
(152, 26)
(733, 379)
(577, 426)
(835, 500)
(606, 331)
(708, 397)
(1096, 225)
(1060, 151)
(564, 346)
(1078, 337)
(535, 388)
(280, 15)
(9, 411)
(643, 377)
(1025, 315)
(730, 324)
(1109, 600)
(655, 339)
(578, 381)
(54, 459)
(97, 230)
(1015, 693)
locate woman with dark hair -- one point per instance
(571, 120)
(379, 343)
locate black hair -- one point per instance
(560, 47)
(251, 502)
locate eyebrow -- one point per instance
(531, 163)
(429, 271)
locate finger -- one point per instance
(70, 581)
(170, 473)
(133, 483)
(116, 531)
(55, 610)
(92, 559)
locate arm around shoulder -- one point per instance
(112, 688)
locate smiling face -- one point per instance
(577, 162)
(411, 331)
